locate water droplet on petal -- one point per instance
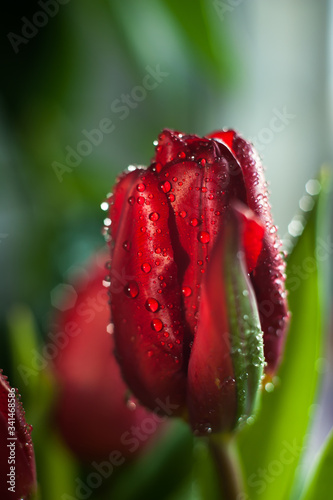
(152, 305)
(171, 197)
(181, 154)
(157, 325)
(154, 216)
(146, 267)
(203, 237)
(131, 200)
(187, 291)
(194, 222)
(166, 186)
(127, 245)
(141, 187)
(182, 214)
(104, 206)
(132, 289)
(131, 405)
(140, 200)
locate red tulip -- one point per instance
(17, 459)
(195, 256)
(91, 409)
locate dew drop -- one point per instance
(146, 268)
(182, 214)
(110, 328)
(132, 289)
(131, 200)
(203, 237)
(157, 325)
(104, 206)
(269, 387)
(187, 291)
(154, 216)
(131, 405)
(181, 155)
(313, 187)
(171, 197)
(126, 245)
(194, 222)
(152, 305)
(140, 200)
(166, 186)
(141, 187)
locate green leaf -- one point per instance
(272, 446)
(24, 344)
(320, 485)
(212, 48)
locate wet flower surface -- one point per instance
(94, 410)
(196, 275)
(17, 459)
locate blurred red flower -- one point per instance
(92, 413)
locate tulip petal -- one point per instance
(202, 178)
(146, 294)
(96, 393)
(227, 360)
(25, 470)
(268, 278)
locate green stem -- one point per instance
(229, 474)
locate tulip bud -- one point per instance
(193, 236)
(92, 411)
(17, 459)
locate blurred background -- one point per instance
(85, 89)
